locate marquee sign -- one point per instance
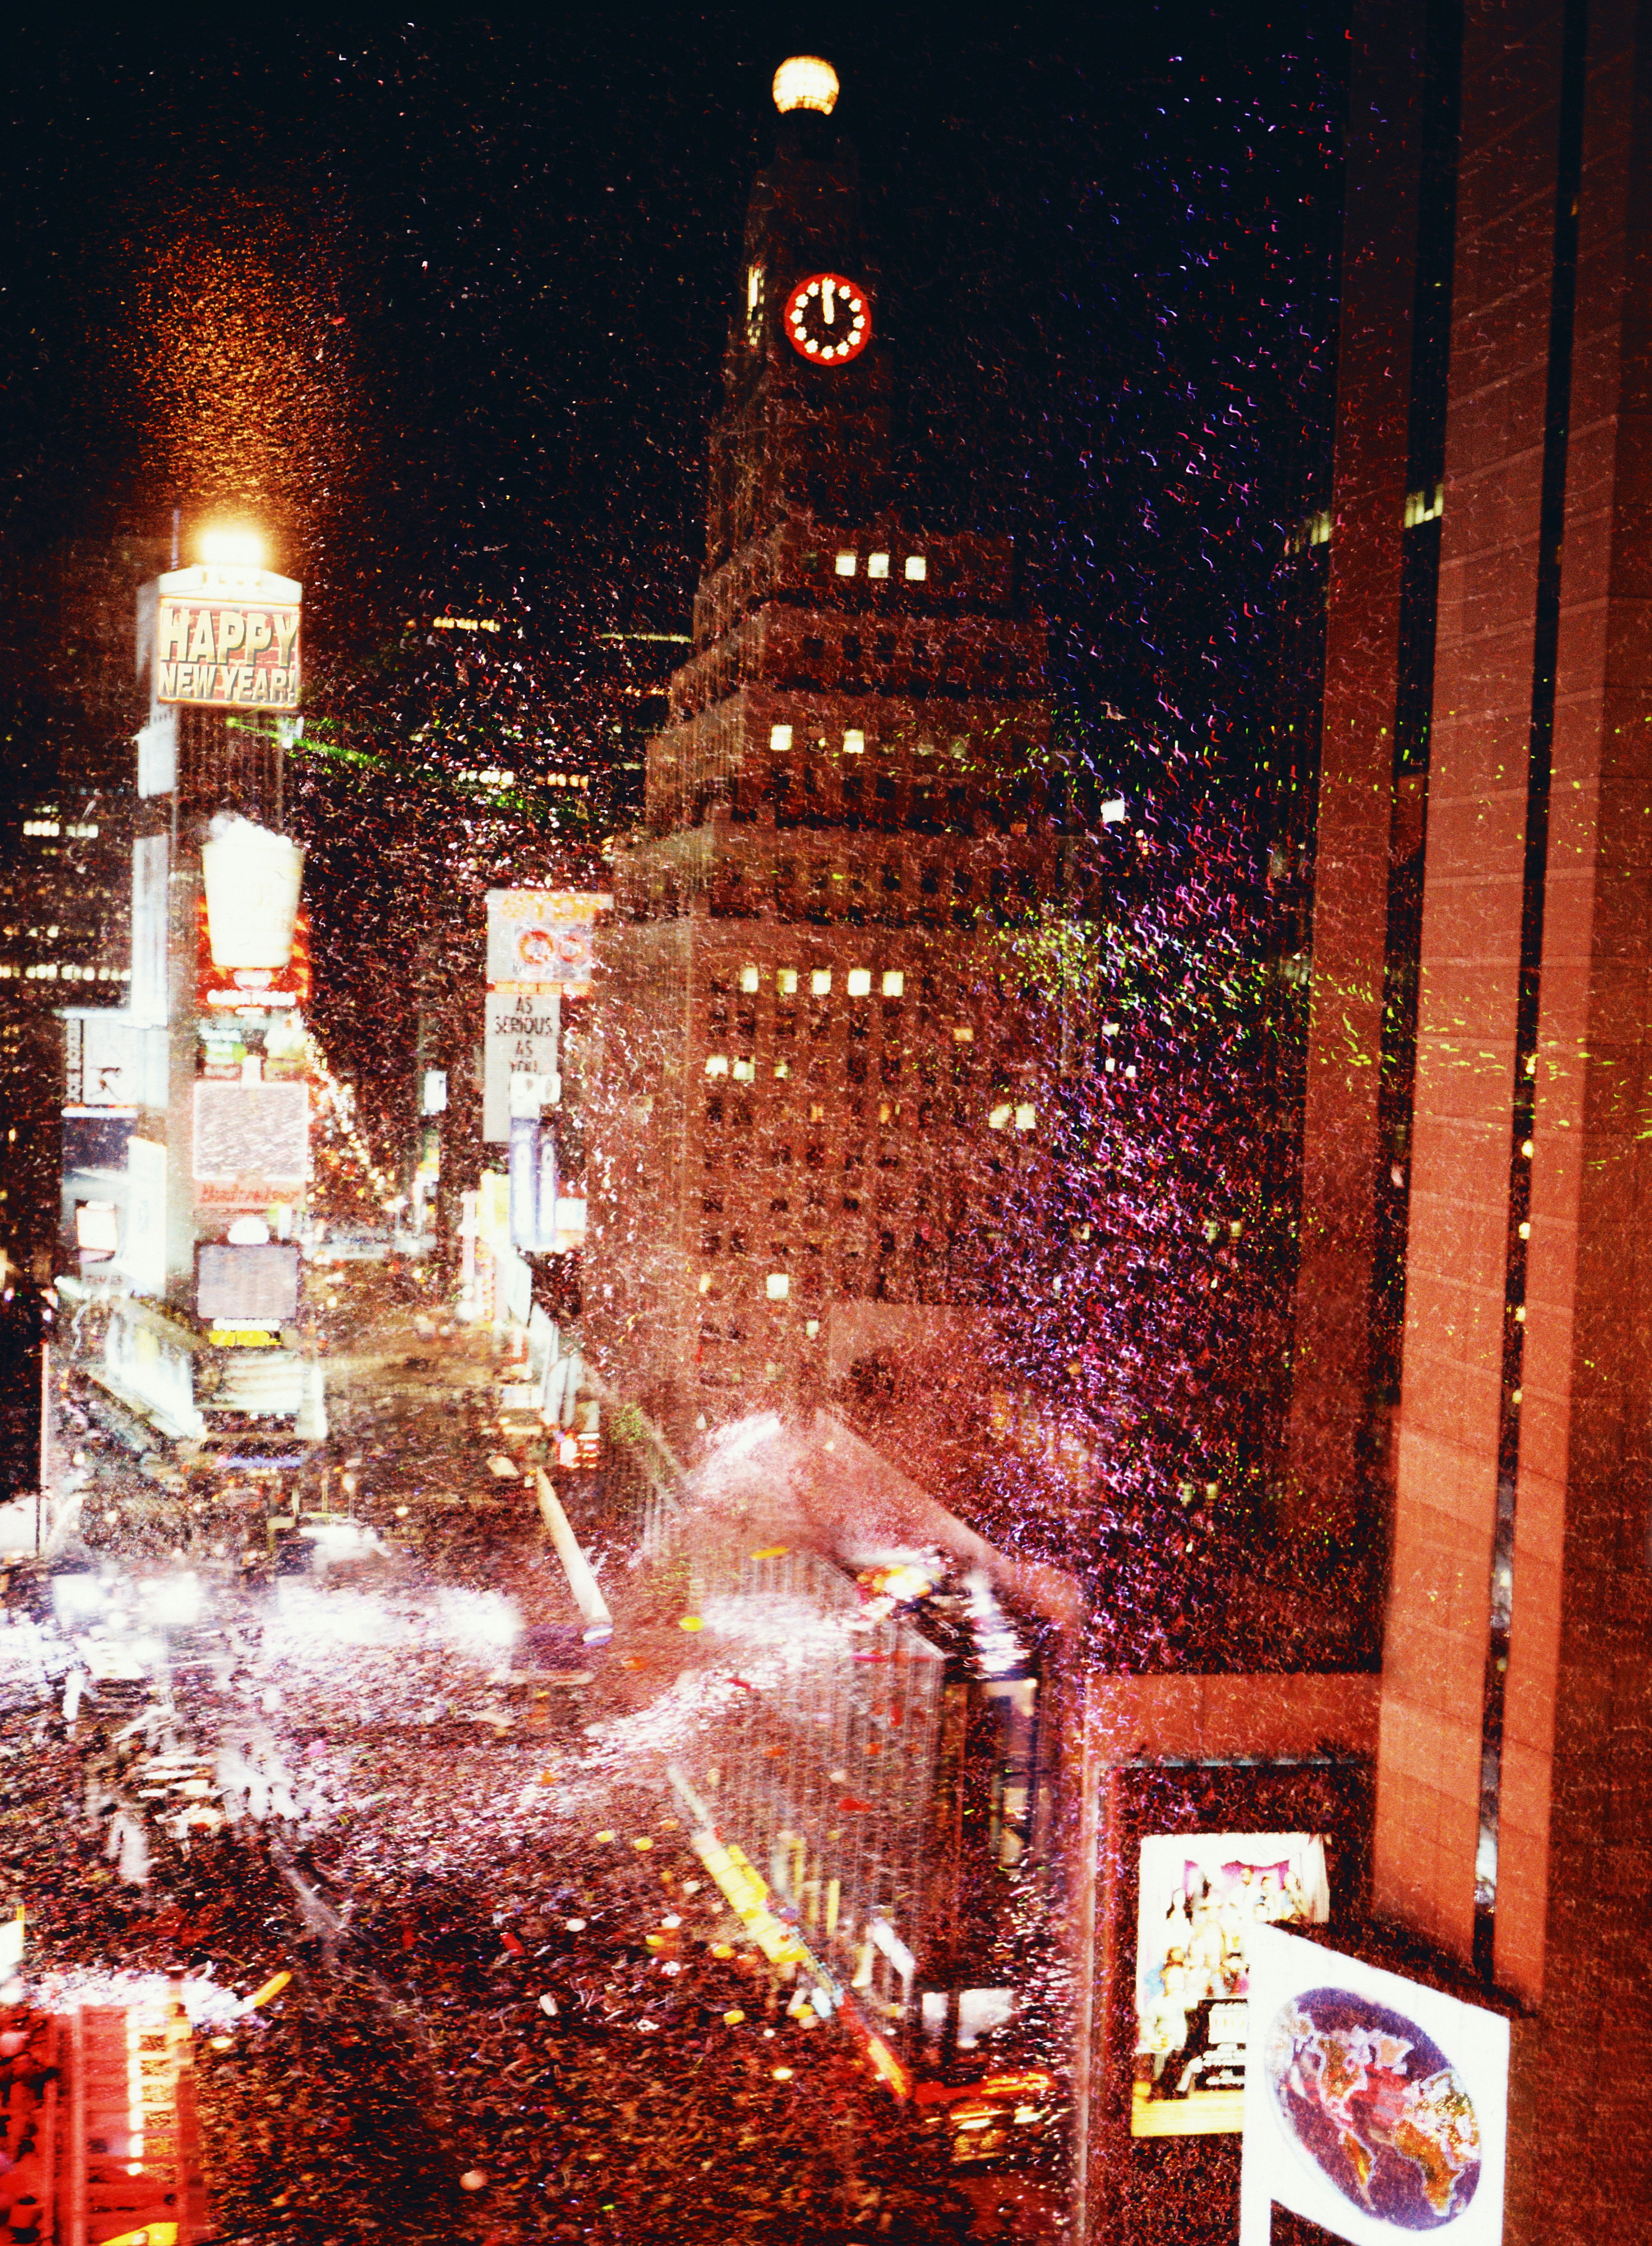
(227, 638)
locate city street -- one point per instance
(517, 2008)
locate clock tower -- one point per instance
(806, 416)
(806, 1091)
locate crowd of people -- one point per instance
(518, 2008)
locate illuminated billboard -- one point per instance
(1374, 2107)
(231, 991)
(227, 638)
(237, 1285)
(540, 942)
(1202, 1897)
(252, 1143)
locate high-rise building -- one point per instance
(804, 1078)
(1472, 1374)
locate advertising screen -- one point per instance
(227, 638)
(540, 941)
(1202, 1897)
(235, 1285)
(252, 989)
(1374, 2107)
(252, 1143)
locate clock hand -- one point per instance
(828, 302)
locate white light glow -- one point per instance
(845, 562)
(917, 567)
(780, 737)
(877, 565)
(806, 82)
(231, 548)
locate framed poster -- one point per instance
(1200, 1898)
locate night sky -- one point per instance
(443, 305)
(441, 308)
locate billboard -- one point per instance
(237, 1286)
(227, 638)
(1375, 2107)
(103, 1053)
(540, 941)
(251, 876)
(231, 991)
(1202, 1897)
(252, 1143)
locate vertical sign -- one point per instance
(149, 868)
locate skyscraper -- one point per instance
(1475, 1153)
(804, 1078)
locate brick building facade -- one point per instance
(805, 1082)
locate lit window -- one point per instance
(877, 565)
(820, 980)
(780, 737)
(964, 1036)
(859, 981)
(895, 983)
(846, 564)
(745, 1070)
(777, 1286)
(705, 1282)
(716, 1064)
(786, 982)
(1113, 811)
(816, 1111)
(812, 1327)
(1026, 1118)
(917, 567)
(748, 978)
(998, 1118)
(782, 1069)
(854, 742)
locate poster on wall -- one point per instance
(1374, 2107)
(1202, 1895)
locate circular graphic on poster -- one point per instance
(1371, 2104)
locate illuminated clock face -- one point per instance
(828, 319)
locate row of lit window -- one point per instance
(466, 623)
(854, 739)
(84, 832)
(892, 981)
(49, 971)
(1020, 1115)
(914, 568)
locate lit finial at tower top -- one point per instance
(806, 82)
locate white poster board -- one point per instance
(1374, 2107)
